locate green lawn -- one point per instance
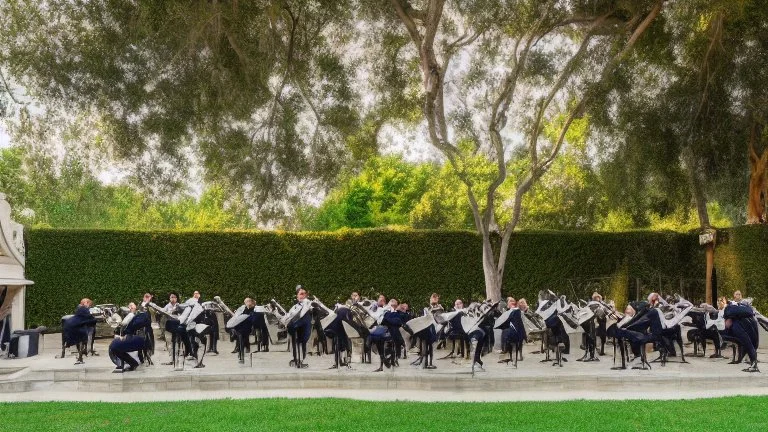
(723, 414)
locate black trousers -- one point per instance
(739, 331)
(126, 358)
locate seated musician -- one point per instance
(178, 327)
(130, 341)
(77, 329)
(394, 320)
(353, 298)
(426, 336)
(146, 300)
(338, 334)
(173, 306)
(741, 325)
(602, 321)
(511, 303)
(241, 325)
(434, 304)
(455, 332)
(513, 332)
(299, 325)
(522, 304)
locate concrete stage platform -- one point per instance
(44, 377)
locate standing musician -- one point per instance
(78, 329)
(299, 325)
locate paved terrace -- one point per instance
(44, 377)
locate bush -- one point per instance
(119, 266)
(741, 260)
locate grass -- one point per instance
(732, 413)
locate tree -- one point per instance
(689, 97)
(256, 91)
(541, 49)
(384, 193)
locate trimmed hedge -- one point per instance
(741, 260)
(119, 266)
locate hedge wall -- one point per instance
(118, 266)
(741, 260)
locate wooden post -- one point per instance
(710, 254)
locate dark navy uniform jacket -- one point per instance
(128, 344)
(75, 328)
(516, 331)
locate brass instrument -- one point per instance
(223, 306)
(325, 322)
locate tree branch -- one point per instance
(8, 88)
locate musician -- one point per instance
(382, 301)
(522, 304)
(77, 329)
(209, 318)
(511, 303)
(394, 319)
(513, 332)
(602, 321)
(353, 298)
(737, 296)
(130, 339)
(241, 325)
(173, 306)
(146, 300)
(299, 325)
(338, 335)
(455, 331)
(183, 328)
(427, 336)
(741, 325)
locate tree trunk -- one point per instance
(490, 271)
(758, 181)
(710, 254)
(701, 209)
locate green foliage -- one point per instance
(71, 197)
(384, 193)
(119, 266)
(740, 260)
(258, 91)
(742, 413)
